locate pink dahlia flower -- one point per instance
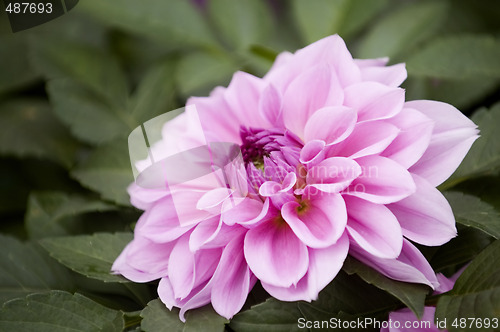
(324, 158)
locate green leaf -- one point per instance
(403, 28)
(457, 57)
(471, 211)
(412, 295)
(90, 255)
(271, 315)
(89, 116)
(96, 120)
(461, 249)
(241, 23)
(484, 157)
(155, 94)
(16, 69)
(476, 293)
(358, 13)
(28, 129)
(351, 295)
(58, 311)
(157, 318)
(318, 18)
(107, 171)
(90, 66)
(172, 22)
(460, 93)
(321, 18)
(25, 268)
(50, 213)
(199, 73)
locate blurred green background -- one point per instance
(73, 89)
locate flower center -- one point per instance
(268, 154)
(257, 144)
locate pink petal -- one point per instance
(321, 222)
(181, 269)
(166, 294)
(333, 175)
(333, 51)
(212, 200)
(324, 264)
(204, 232)
(188, 270)
(409, 266)
(198, 298)
(144, 198)
(275, 255)
(143, 260)
(312, 152)
(367, 138)
(247, 213)
(242, 96)
(330, 124)
(383, 181)
(160, 223)
(269, 188)
(413, 139)
(270, 106)
(231, 281)
(391, 76)
(452, 138)
(216, 116)
(374, 228)
(406, 316)
(374, 100)
(305, 95)
(426, 216)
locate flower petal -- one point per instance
(305, 95)
(406, 317)
(312, 152)
(391, 75)
(181, 269)
(321, 222)
(330, 124)
(143, 198)
(373, 227)
(212, 233)
(412, 140)
(452, 137)
(187, 270)
(333, 51)
(248, 212)
(383, 181)
(143, 260)
(410, 266)
(333, 175)
(242, 96)
(270, 106)
(426, 216)
(324, 264)
(374, 100)
(275, 255)
(161, 223)
(367, 138)
(231, 281)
